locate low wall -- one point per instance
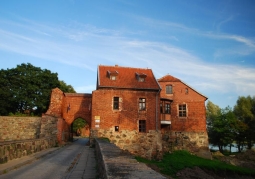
(21, 136)
(147, 145)
(194, 142)
(116, 163)
(19, 128)
(16, 149)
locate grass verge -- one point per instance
(178, 160)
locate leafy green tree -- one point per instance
(223, 127)
(245, 112)
(66, 88)
(6, 98)
(27, 89)
(222, 132)
(78, 124)
(212, 112)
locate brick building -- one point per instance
(138, 113)
(182, 116)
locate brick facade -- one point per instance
(130, 101)
(187, 128)
(127, 116)
(67, 107)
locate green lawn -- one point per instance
(178, 160)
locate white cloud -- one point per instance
(86, 46)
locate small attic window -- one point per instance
(112, 75)
(140, 77)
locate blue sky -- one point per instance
(209, 45)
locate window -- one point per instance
(167, 108)
(140, 77)
(142, 104)
(113, 77)
(116, 103)
(116, 128)
(186, 90)
(169, 89)
(182, 110)
(142, 125)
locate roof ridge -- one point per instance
(125, 67)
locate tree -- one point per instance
(6, 97)
(223, 127)
(66, 88)
(222, 132)
(245, 112)
(212, 111)
(27, 89)
(77, 125)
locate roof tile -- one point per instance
(126, 78)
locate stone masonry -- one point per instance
(20, 136)
(147, 145)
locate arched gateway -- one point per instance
(67, 107)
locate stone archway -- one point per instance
(67, 107)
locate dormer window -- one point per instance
(140, 77)
(112, 75)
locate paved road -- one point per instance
(57, 165)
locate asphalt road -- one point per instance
(55, 165)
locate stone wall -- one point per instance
(147, 145)
(21, 136)
(19, 128)
(194, 142)
(16, 149)
(48, 126)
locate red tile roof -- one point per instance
(126, 78)
(168, 78)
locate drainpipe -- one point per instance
(157, 94)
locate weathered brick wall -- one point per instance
(67, 107)
(196, 112)
(56, 100)
(189, 132)
(147, 145)
(128, 115)
(16, 149)
(19, 128)
(76, 105)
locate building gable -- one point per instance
(169, 78)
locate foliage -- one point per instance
(212, 111)
(66, 88)
(26, 89)
(245, 112)
(226, 126)
(178, 160)
(78, 124)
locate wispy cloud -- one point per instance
(86, 46)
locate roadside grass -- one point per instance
(178, 160)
